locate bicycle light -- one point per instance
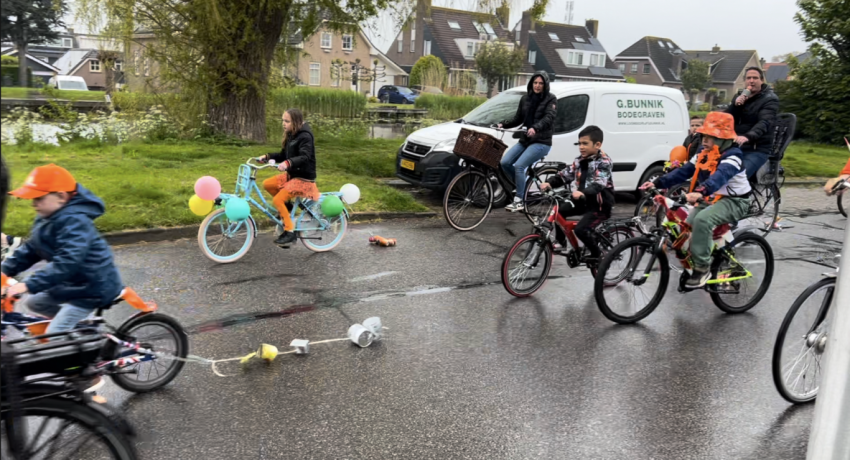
(361, 336)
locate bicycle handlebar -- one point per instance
(521, 129)
(842, 184)
(265, 166)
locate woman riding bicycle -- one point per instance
(717, 170)
(297, 159)
(536, 111)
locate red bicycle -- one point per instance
(526, 265)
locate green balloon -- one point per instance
(237, 209)
(331, 206)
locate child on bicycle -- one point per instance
(717, 170)
(297, 163)
(844, 175)
(80, 275)
(593, 190)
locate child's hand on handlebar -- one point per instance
(647, 185)
(545, 186)
(262, 159)
(15, 290)
(578, 195)
(694, 197)
(283, 166)
(531, 132)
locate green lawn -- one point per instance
(804, 159)
(31, 93)
(149, 185)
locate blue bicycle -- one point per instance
(225, 241)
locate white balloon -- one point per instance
(350, 193)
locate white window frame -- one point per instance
(470, 49)
(580, 39)
(94, 66)
(477, 48)
(634, 67)
(317, 66)
(518, 35)
(554, 37)
(488, 28)
(69, 41)
(147, 67)
(136, 63)
(427, 47)
(400, 43)
(575, 58)
(594, 60)
(532, 57)
(452, 25)
(647, 69)
(622, 68)
(412, 40)
(327, 40)
(350, 42)
(118, 66)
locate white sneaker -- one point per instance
(515, 206)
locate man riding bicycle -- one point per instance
(718, 169)
(593, 189)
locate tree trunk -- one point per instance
(22, 65)
(240, 110)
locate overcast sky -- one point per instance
(764, 25)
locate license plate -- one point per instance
(407, 164)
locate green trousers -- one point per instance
(704, 219)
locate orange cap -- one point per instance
(680, 154)
(44, 180)
(719, 124)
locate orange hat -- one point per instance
(44, 180)
(718, 124)
(679, 153)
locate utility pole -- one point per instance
(568, 17)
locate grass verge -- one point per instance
(149, 185)
(804, 159)
(64, 95)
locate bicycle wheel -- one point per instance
(157, 332)
(537, 206)
(801, 342)
(526, 265)
(468, 200)
(648, 212)
(764, 209)
(608, 238)
(748, 263)
(58, 428)
(640, 291)
(223, 240)
(314, 237)
(841, 206)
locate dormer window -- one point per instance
(554, 37)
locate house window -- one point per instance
(518, 34)
(326, 39)
(554, 37)
(412, 40)
(136, 63)
(147, 67)
(94, 65)
(660, 43)
(477, 47)
(67, 43)
(622, 68)
(347, 42)
(478, 27)
(670, 45)
(119, 66)
(454, 25)
(315, 73)
(470, 49)
(579, 39)
(335, 78)
(575, 58)
(532, 57)
(489, 28)
(572, 111)
(594, 60)
(634, 68)
(427, 47)
(400, 43)
(721, 95)
(646, 68)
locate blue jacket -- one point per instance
(80, 269)
(729, 178)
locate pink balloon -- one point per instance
(207, 188)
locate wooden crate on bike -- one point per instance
(480, 147)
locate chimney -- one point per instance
(592, 27)
(715, 49)
(423, 10)
(503, 13)
(761, 62)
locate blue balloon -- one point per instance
(237, 209)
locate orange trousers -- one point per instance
(275, 187)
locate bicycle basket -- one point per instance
(243, 180)
(479, 147)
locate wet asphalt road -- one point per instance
(465, 371)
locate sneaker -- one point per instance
(285, 239)
(96, 384)
(13, 243)
(698, 279)
(517, 205)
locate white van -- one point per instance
(67, 82)
(641, 124)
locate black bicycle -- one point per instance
(840, 189)
(473, 193)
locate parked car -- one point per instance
(426, 89)
(397, 95)
(721, 107)
(642, 123)
(67, 82)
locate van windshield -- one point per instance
(497, 110)
(73, 85)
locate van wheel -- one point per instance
(654, 172)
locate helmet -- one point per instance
(718, 124)
(679, 153)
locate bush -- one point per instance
(704, 107)
(316, 101)
(8, 60)
(442, 107)
(373, 100)
(9, 76)
(428, 71)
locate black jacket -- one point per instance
(693, 144)
(755, 118)
(300, 151)
(544, 118)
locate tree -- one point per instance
(711, 101)
(355, 71)
(497, 60)
(630, 79)
(428, 71)
(30, 22)
(696, 77)
(220, 51)
(820, 88)
(784, 57)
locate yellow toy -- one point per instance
(266, 352)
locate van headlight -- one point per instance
(445, 146)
